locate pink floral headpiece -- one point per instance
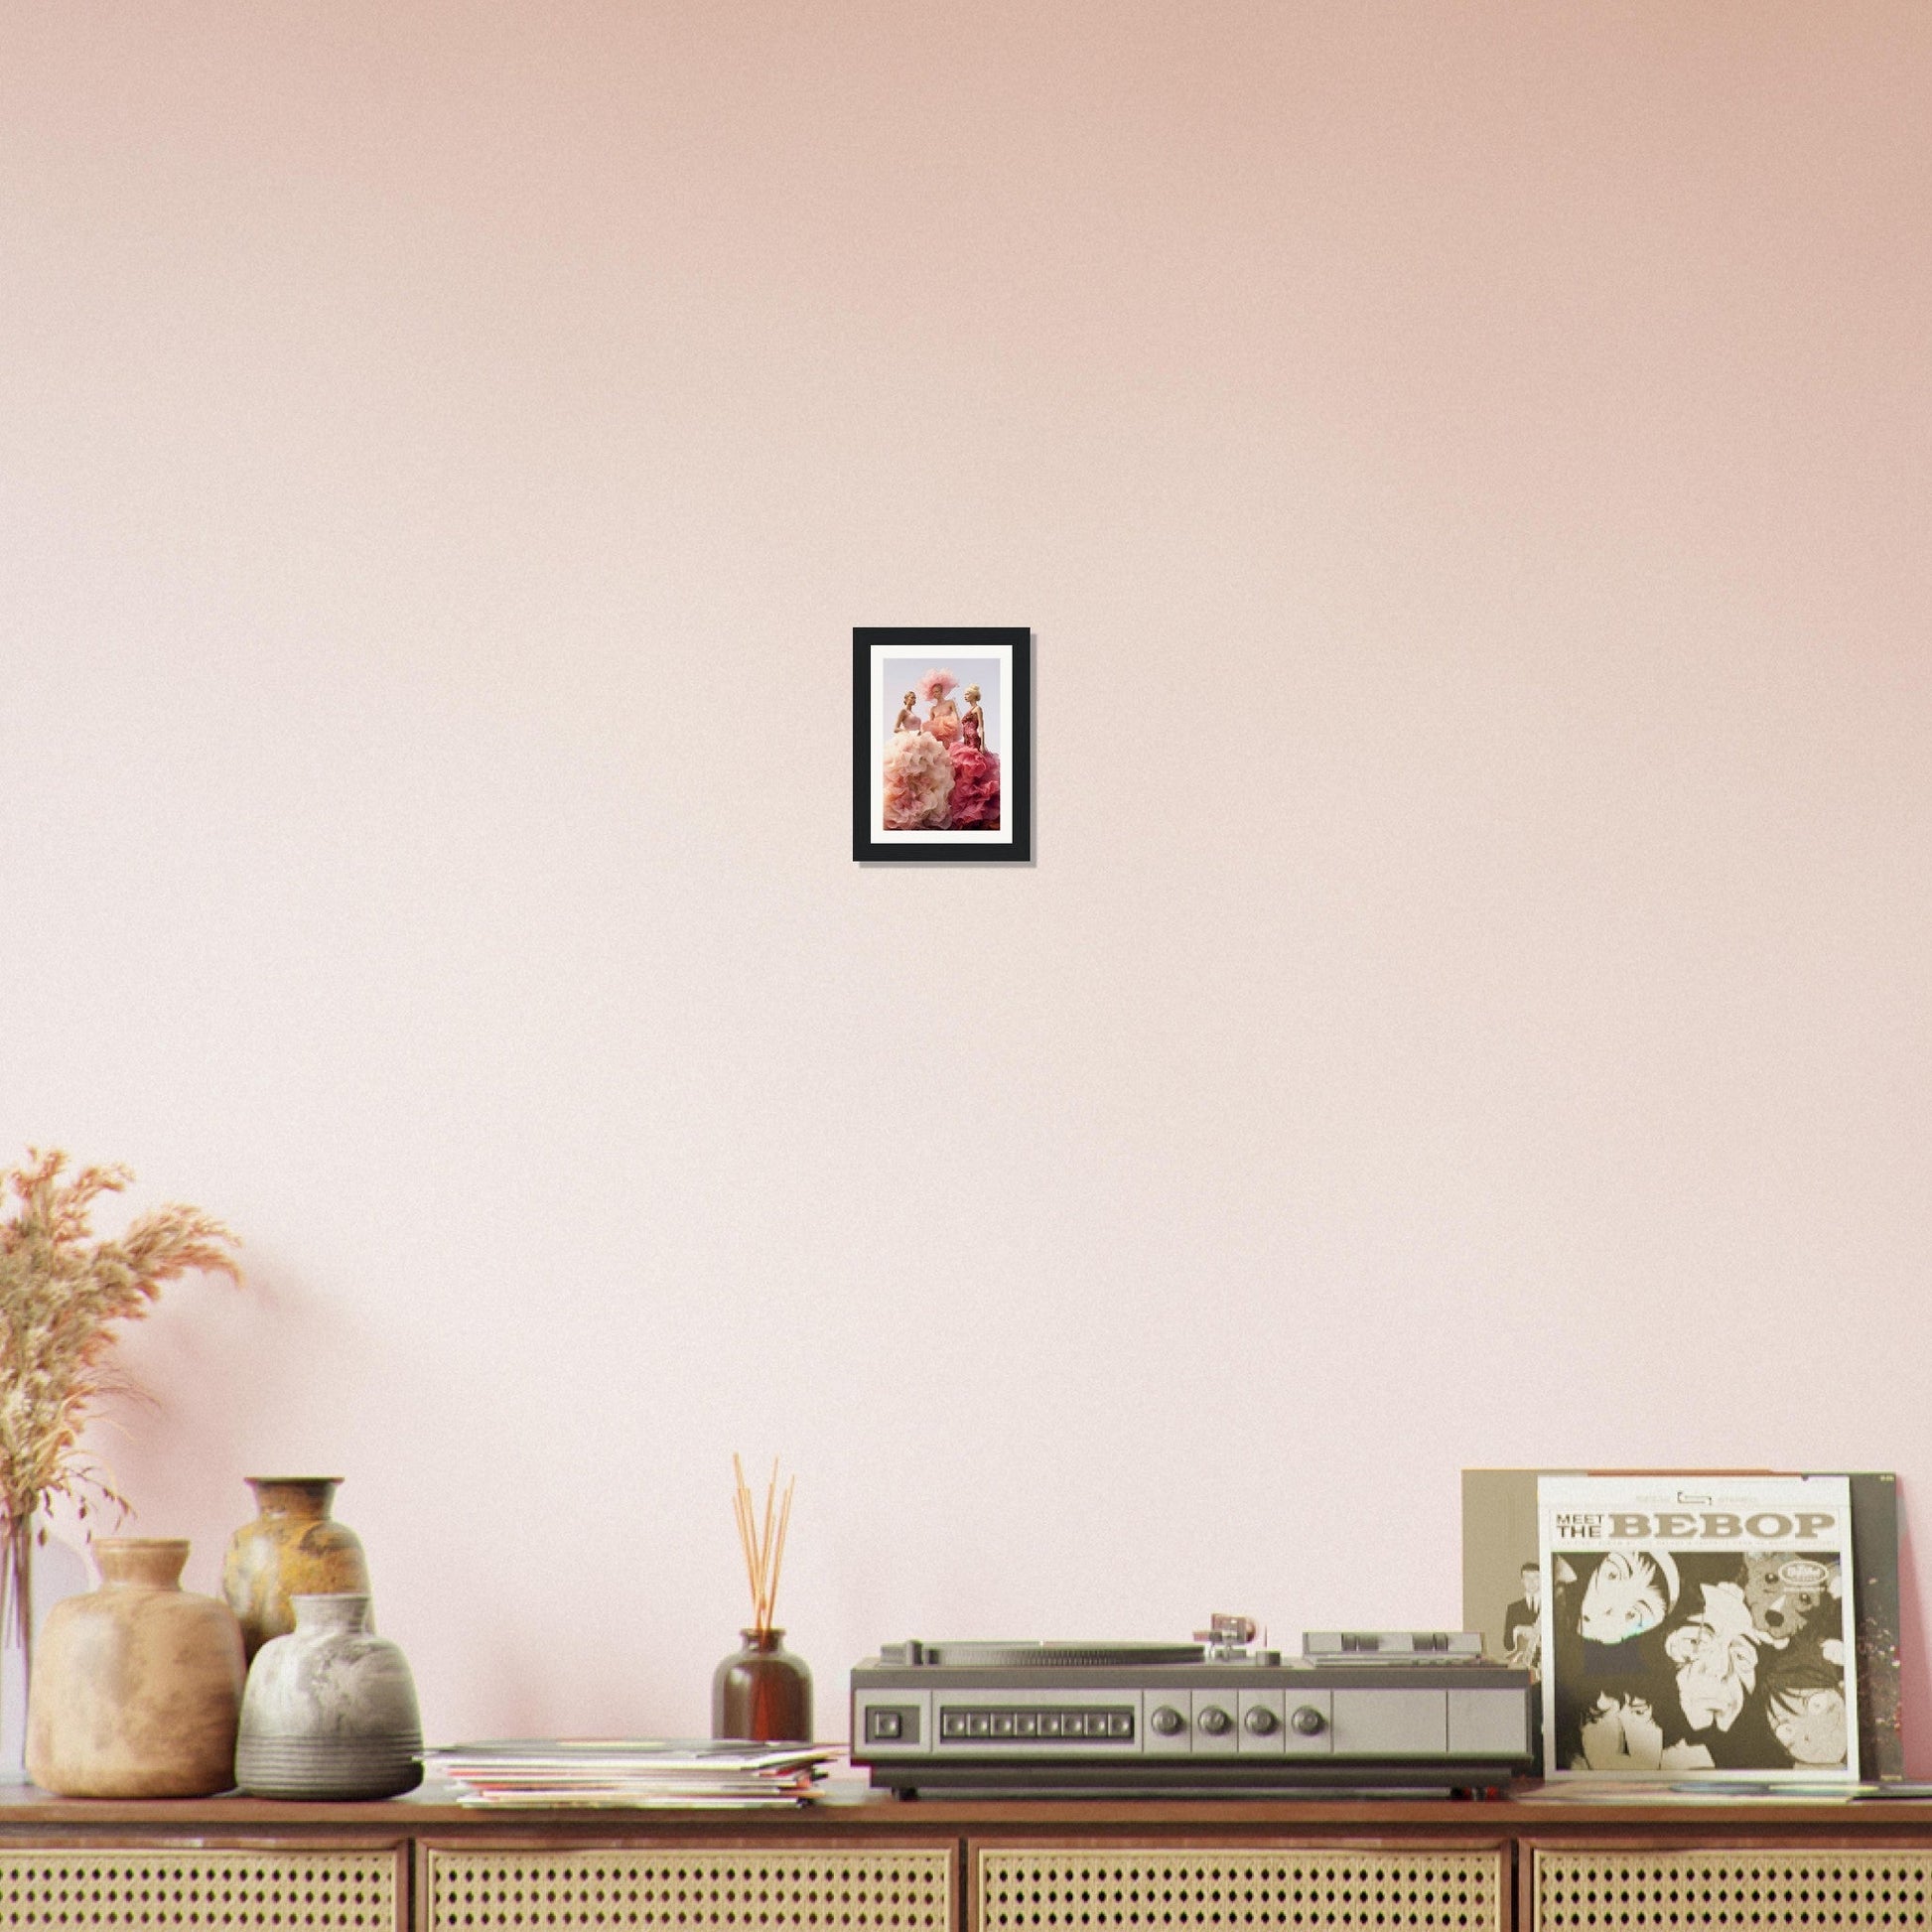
(935, 684)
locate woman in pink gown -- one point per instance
(942, 718)
(918, 776)
(975, 805)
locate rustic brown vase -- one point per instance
(763, 1692)
(294, 1548)
(137, 1687)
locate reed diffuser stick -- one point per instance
(762, 1539)
(764, 1552)
(779, 1554)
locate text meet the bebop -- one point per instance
(1688, 1525)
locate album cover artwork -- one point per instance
(1700, 1629)
(1503, 1590)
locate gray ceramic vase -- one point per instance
(330, 1711)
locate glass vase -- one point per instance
(763, 1692)
(16, 1652)
(51, 1571)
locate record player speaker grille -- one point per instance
(1700, 1892)
(1195, 1891)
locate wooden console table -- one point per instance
(877, 1865)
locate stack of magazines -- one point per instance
(681, 1772)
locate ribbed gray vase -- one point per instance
(330, 1711)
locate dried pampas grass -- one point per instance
(63, 1296)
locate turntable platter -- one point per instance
(1057, 1656)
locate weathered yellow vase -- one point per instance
(294, 1548)
(136, 1688)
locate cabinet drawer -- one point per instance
(1039, 1890)
(148, 1888)
(1704, 1890)
(907, 1890)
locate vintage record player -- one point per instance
(1357, 1709)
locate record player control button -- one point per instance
(1119, 1725)
(1261, 1720)
(1049, 1723)
(1215, 1721)
(979, 1725)
(1026, 1724)
(1167, 1720)
(1002, 1724)
(1309, 1721)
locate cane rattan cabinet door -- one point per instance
(1150, 1890)
(823, 1889)
(168, 1889)
(1750, 1888)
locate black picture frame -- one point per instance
(873, 709)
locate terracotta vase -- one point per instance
(137, 1687)
(763, 1692)
(330, 1711)
(293, 1548)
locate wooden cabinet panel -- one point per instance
(162, 1888)
(824, 1888)
(992, 1865)
(1707, 1890)
(1188, 1891)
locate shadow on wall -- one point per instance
(522, 1692)
(223, 1377)
(213, 1374)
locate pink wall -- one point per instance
(1466, 467)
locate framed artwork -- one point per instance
(942, 744)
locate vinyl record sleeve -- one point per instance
(1698, 1628)
(1502, 1584)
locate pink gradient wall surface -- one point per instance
(1466, 467)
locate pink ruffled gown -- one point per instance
(918, 782)
(975, 782)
